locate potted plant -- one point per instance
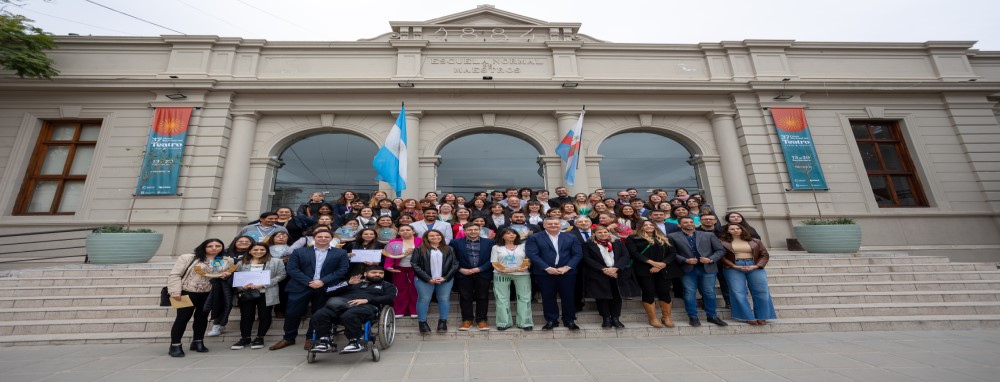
(841, 235)
(819, 235)
(115, 244)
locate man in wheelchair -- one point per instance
(352, 306)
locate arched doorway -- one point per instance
(330, 162)
(646, 161)
(488, 161)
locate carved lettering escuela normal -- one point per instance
(487, 65)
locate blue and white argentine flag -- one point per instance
(390, 161)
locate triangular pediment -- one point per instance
(486, 15)
(485, 23)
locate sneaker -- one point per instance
(215, 331)
(258, 343)
(242, 343)
(399, 316)
(466, 325)
(483, 325)
(353, 347)
(413, 316)
(323, 345)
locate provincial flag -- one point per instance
(390, 161)
(569, 150)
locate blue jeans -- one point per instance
(763, 307)
(425, 291)
(700, 281)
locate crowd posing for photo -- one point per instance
(516, 244)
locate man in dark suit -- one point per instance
(519, 223)
(699, 253)
(554, 258)
(311, 271)
(475, 273)
(582, 232)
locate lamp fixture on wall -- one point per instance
(570, 84)
(487, 78)
(176, 96)
(781, 95)
(406, 84)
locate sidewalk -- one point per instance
(950, 356)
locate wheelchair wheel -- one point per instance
(310, 357)
(376, 354)
(386, 327)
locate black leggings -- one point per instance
(655, 286)
(259, 307)
(184, 315)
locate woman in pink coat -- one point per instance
(397, 260)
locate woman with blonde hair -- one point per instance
(654, 260)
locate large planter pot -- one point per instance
(122, 248)
(833, 238)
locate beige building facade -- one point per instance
(488, 70)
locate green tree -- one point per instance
(23, 46)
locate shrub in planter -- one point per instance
(120, 245)
(840, 235)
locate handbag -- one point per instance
(249, 295)
(165, 295)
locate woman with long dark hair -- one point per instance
(737, 218)
(192, 276)
(367, 239)
(743, 266)
(510, 265)
(435, 266)
(478, 207)
(258, 299)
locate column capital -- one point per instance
(562, 114)
(548, 159)
(409, 113)
(714, 115)
(433, 160)
(253, 115)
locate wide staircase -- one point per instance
(811, 292)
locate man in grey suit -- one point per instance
(699, 253)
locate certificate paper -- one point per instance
(252, 277)
(369, 255)
(185, 302)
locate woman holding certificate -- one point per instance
(192, 277)
(367, 241)
(257, 297)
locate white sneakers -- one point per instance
(215, 331)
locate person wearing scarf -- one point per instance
(603, 258)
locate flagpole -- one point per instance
(584, 111)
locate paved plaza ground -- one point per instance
(948, 356)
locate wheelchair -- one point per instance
(379, 334)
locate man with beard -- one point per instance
(562, 197)
(351, 307)
(519, 223)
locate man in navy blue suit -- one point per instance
(554, 256)
(311, 270)
(475, 274)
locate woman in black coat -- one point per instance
(603, 257)
(654, 261)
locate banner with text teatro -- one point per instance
(161, 163)
(800, 153)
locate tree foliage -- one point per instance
(23, 46)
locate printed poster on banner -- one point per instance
(161, 163)
(800, 152)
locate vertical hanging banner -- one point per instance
(800, 153)
(161, 163)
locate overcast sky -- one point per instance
(661, 21)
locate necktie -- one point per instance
(586, 236)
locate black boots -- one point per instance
(199, 346)
(606, 322)
(424, 328)
(176, 351)
(442, 325)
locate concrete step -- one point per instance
(824, 277)
(886, 286)
(866, 268)
(631, 330)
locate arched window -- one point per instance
(330, 163)
(645, 161)
(488, 161)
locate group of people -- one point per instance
(515, 244)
